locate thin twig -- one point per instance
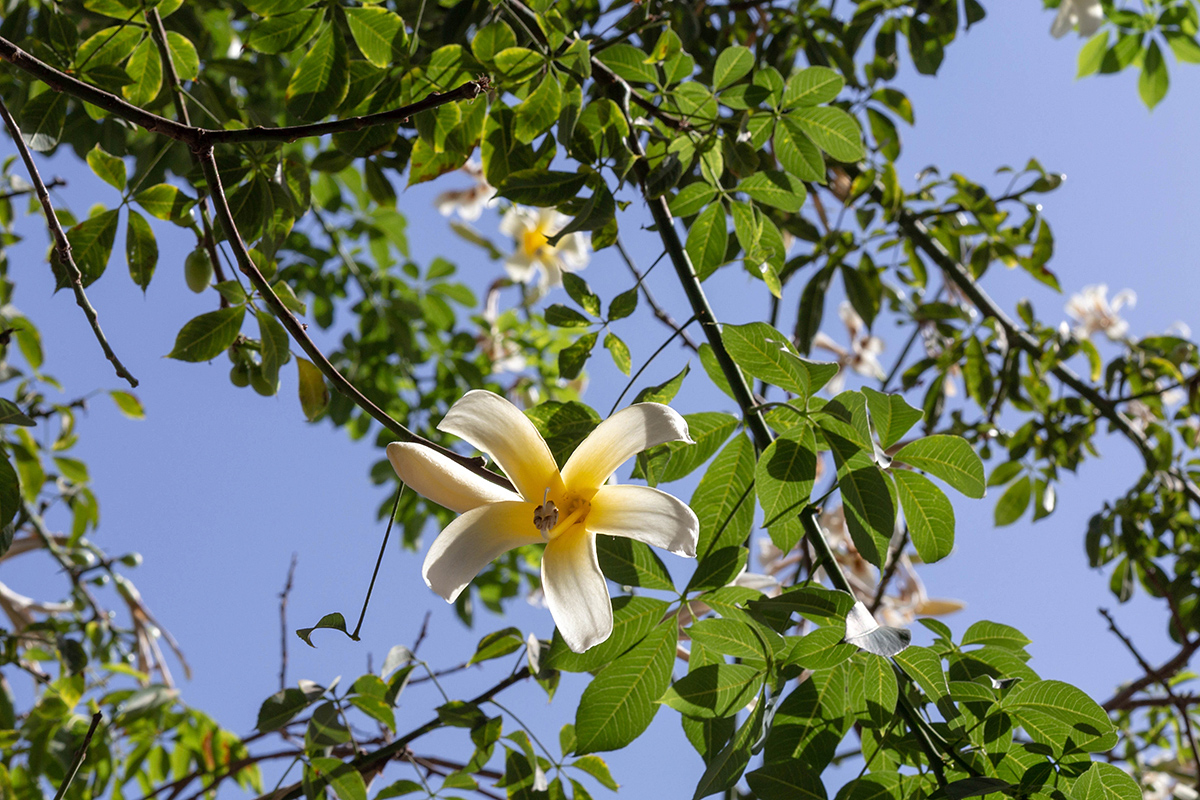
(1166, 670)
(893, 561)
(283, 626)
(53, 184)
(658, 310)
(642, 369)
(421, 633)
(62, 246)
(379, 560)
(80, 754)
(297, 330)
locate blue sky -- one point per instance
(217, 487)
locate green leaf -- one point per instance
(619, 703)
(497, 644)
(664, 392)
(572, 358)
(707, 240)
(785, 474)
(833, 130)
(268, 8)
(812, 86)
(108, 168)
(692, 198)
(924, 665)
(765, 353)
(579, 291)
(10, 496)
(183, 56)
(321, 80)
(1154, 80)
(709, 430)
(334, 621)
(785, 780)
(929, 515)
(92, 243)
(729, 637)
(1184, 46)
(314, 394)
(595, 766)
(491, 39)
(347, 782)
(727, 766)
(891, 415)
(539, 187)
(42, 120)
(632, 563)
(205, 337)
(949, 458)
(564, 317)
(879, 686)
(996, 634)
(284, 33)
(141, 249)
(821, 649)
(724, 499)
(539, 110)
(870, 512)
(633, 619)
(281, 707)
(11, 414)
(796, 152)
(1105, 782)
(379, 33)
(165, 202)
(1091, 55)
(774, 188)
(628, 62)
(1053, 711)
(714, 690)
(619, 351)
(518, 64)
(1013, 502)
(145, 69)
(127, 402)
(275, 347)
(733, 64)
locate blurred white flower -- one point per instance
(531, 230)
(1091, 309)
(1087, 15)
(495, 343)
(863, 355)
(468, 203)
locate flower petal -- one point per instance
(645, 514)
(619, 438)
(498, 428)
(433, 476)
(471, 542)
(575, 589)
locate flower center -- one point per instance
(553, 520)
(533, 241)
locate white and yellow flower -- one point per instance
(1093, 313)
(531, 230)
(468, 203)
(563, 509)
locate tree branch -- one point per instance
(658, 310)
(202, 138)
(80, 754)
(62, 246)
(297, 330)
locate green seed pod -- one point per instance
(197, 270)
(239, 376)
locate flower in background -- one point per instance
(1091, 310)
(531, 230)
(497, 344)
(863, 355)
(563, 509)
(1087, 15)
(468, 203)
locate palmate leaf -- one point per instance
(714, 690)
(1105, 782)
(633, 619)
(785, 474)
(949, 458)
(620, 701)
(631, 563)
(1055, 713)
(928, 512)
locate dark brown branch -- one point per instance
(1157, 675)
(201, 138)
(300, 335)
(62, 246)
(79, 756)
(397, 747)
(283, 626)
